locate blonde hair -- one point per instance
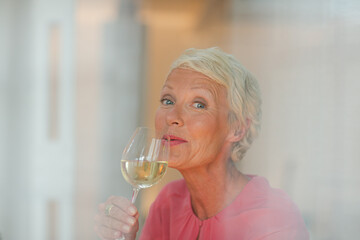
(243, 90)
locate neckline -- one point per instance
(221, 212)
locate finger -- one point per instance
(109, 222)
(102, 206)
(125, 205)
(96, 229)
(122, 216)
(108, 233)
(137, 215)
(121, 202)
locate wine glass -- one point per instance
(144, 160)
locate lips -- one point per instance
(174, 140)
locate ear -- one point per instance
(238, 132)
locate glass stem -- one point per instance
(135, 193)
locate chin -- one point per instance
(172, 164)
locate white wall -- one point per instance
(4, 46)
(15, 105)
(52, 159)
(39, 171)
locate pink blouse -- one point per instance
(258, 212)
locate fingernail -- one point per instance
(126, 228)
(131, 221)
(132, 210)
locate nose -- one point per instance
(175, 117)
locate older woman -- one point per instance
(210, 106)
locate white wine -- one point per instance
(143, 174)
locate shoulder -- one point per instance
(259, 194)
(270, 210)
(264, 212)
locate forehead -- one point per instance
(185, 78)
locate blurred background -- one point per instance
(77, 77)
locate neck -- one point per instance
(213, 187)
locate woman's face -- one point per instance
(194, 111)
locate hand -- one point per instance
(117, 217)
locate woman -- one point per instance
(210, 106)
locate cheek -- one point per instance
(200, 128)
(159, 119)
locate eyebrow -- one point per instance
(208, 88)
(201, 87)
(168, 86)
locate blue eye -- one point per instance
(199, 105)
(166, 102)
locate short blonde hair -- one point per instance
(243, 89)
